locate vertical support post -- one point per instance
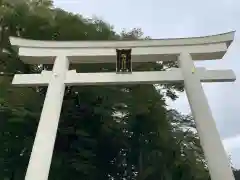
(214, 152)
(41, 156)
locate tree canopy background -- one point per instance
(106, 132)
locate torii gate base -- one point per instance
(182, 50)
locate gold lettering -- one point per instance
(123, 58)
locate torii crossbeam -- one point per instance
(183, 50)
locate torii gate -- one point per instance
(183, 50)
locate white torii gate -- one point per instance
(183, 50)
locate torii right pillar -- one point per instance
(216, 157)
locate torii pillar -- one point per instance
(211, 143)
(184, 50)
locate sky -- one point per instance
(185, 18)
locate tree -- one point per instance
(236, 174)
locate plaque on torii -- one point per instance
(124, 53)
(123, 61)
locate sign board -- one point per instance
(124, 61)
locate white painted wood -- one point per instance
(201, 48)
(108, 55)
(136, 51)
(148, 77)
(212, 39)
(173, 76)
(113, 78)
(41, 156)
(217, 76)
(214, 152)
(32, 79)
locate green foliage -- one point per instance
(108, 132)
(237, 174)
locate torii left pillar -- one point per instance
(41, 156)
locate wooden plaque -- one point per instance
(124, 62)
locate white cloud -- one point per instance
(231, 143)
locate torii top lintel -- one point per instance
(201, 48)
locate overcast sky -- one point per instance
(175, 18)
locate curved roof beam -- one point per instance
(201, 48)
(219, 38)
